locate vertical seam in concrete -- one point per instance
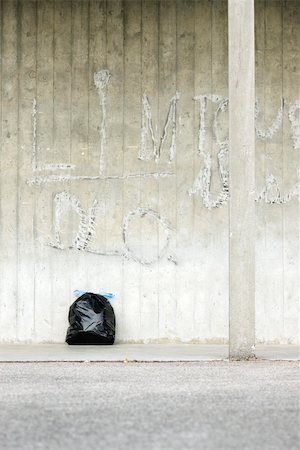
(35, 195)
(228, 207)
(1, 124)
(158, 183)
(193, 141)
(282, 175)
(176, 180)
(141, 86)
(19, 58)
(88, 281)
(53, 135)
(141, 7)
(123, 142)
(54, 140)
(106, 183)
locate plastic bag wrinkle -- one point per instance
(92, 321)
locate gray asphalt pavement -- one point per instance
(145, 406)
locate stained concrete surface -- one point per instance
(137, 352)
(143, 406)
(157, 47)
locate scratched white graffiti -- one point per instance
(147, 128)
(202, 182)
(84, 239)
(101, 80)
(275, 125)
(271, 193)
(36, 165)
(295, 123)
(151, 148)
(38, 181)
(65, 202)
(154, 216)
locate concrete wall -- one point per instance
(114, 167)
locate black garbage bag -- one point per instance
(92, 321)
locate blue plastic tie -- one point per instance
(79, 292)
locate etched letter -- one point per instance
(147, 127)
(65, 202)
(275, 125)
(101, 80)
(203, 180)
(295, 123)
(36, 165)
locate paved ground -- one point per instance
(145, 406)
(136, 352)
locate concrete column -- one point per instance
(242, 178)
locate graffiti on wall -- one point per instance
(271, 192)
(294, 109)
(147, 128)
(101, 80)
(212, 110)
(203, 180)
(64, 202)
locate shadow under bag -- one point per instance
(92, 321)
